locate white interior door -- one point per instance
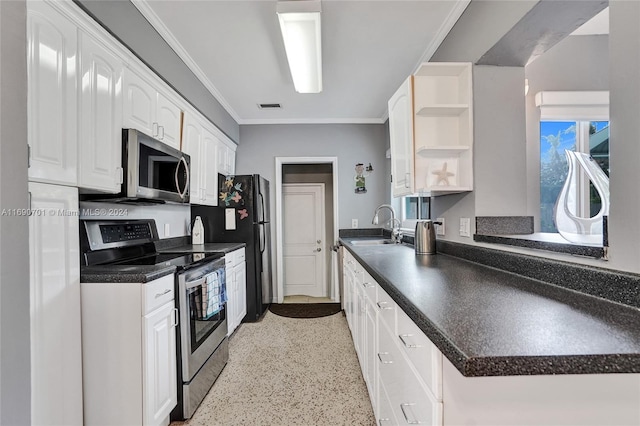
(303, 240)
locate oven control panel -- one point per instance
(108, 234)
(125, 232)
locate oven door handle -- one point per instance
(196, 283)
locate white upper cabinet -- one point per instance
(100, 149)
(192, 146)
(52, 95)
(431, 131)
(168, 119)
(209, 173)
(226, 156)
(199, 143)
(149, 110)
(401, 139)
(443, 128)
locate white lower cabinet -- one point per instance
(129, 352)
(236, 274)
(415, 384)
(54, 261)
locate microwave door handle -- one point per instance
(186, 185)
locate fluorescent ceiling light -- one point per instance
(300, 26)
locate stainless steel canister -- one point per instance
(425, 237)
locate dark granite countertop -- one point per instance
(489, 322)
(124, 273)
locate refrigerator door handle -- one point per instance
(262, 205)
(262, 238)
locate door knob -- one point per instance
(319, 249)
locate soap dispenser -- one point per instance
(197, 234)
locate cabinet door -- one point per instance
(159, 372)
(52, 95)
(209, 172)
(401, 138)
(56, 351)
(168, 118)
(100, 117)
(222, 154)
(139, 104)
(231, 161)
(232, 296)
(371, 350)
(192, 145)
(240, 272)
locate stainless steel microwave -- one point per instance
(153, 170)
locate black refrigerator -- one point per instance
(242, 215)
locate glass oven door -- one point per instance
(203, 323)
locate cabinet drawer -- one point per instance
(369, 286)
(385, 414)
(157, 293)
(421, 353)
(387, 308)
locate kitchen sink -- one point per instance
(371, 242)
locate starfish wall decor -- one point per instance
(443, 175)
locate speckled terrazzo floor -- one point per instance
(289, 371)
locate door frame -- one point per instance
(279, 162)
(326, 274)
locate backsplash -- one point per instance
(175, 217)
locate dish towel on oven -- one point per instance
(214, 294)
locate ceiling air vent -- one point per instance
(269, 106)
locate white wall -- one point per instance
(15, 378)
(624, 111)
(351, 143)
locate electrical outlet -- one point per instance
(440, 228)
(465, 227)
(167, 229)
(354, 223)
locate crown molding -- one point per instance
(252, 121)
(167, 35)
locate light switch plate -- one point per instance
(230, 219)
(465, 227)
(440, 228)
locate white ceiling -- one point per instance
(368, 49)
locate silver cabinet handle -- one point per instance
(162, 128)
(176, 316)
(154, 130)
(163, 293)
(383, 355)
(318, 241)
(383, 306)
(406, 341)
(406, 180)
(409, 415)
(319, 249)
(367, 285)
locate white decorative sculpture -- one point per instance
(581, 230)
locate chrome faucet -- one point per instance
(395, 230)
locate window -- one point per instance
(416, 208)
(590, 137)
